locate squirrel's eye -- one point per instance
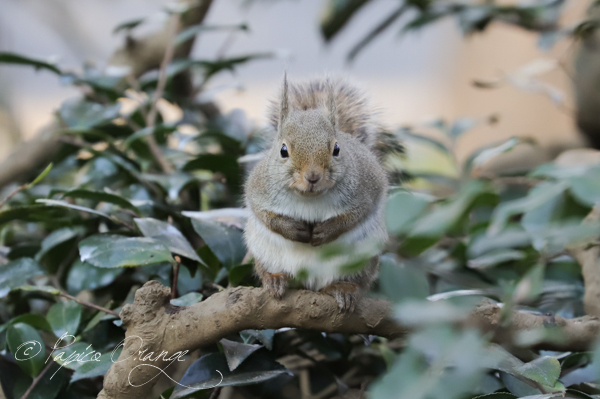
(284, 151)
(336, 150)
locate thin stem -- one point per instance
(9, 197)
(89, 304)
(160, 89)
(36, 380)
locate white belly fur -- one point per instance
(279, 255)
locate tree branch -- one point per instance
(164, 327)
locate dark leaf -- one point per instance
(12, 58)
(212, 370)
(237, 352)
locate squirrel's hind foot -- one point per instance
(276, 283)
(345, 293)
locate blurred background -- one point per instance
(413, 77)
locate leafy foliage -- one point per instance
(106, 218)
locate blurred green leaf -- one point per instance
(403, 209)
(12, 58)
(85, 115)
(16, 273)
(84, 276)
(41, 176)
(537, 197)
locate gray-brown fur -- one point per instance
(353, 112)
(347, 195)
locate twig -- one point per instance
(89, 304)
(36, 380)
(160, 89)
(9, 197)
(383, 25)
(175, 277)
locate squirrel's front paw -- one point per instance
(345, 293)
(300, 231)
(276, 283)
(322, 234)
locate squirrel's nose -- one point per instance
(312, 178)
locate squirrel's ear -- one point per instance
(331, 108)
(284, 107)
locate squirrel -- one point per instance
(320, 182)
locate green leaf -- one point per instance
(41, 176)
(46, 388)
(85, 115)
(530, 286)
(264, 336)
(481, 156)
(128, 25)
(206, 372)
(403, 208)
(226, 242)
(34, 320)
(84, 276)
(194, 30)
(238, 273)
(95, 368)
(110, 250)
(494, 258)
(406, 134)
(67, 353)
(12, 58)
(68, 205)
(64, 318)
(100, 196)
(16, 273)
(147, 131)
(26, 345)
(168, 235)
(545, 370)
(537, 197)
(586, 188)
(400, 281)
(336, 15)
(445, 216)
(222, 163)
(56, 238)
(187, 300)
(32, 213)
(237, 352)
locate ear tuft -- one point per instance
(284, 107)
(331, 107)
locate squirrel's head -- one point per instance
(307, 147)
